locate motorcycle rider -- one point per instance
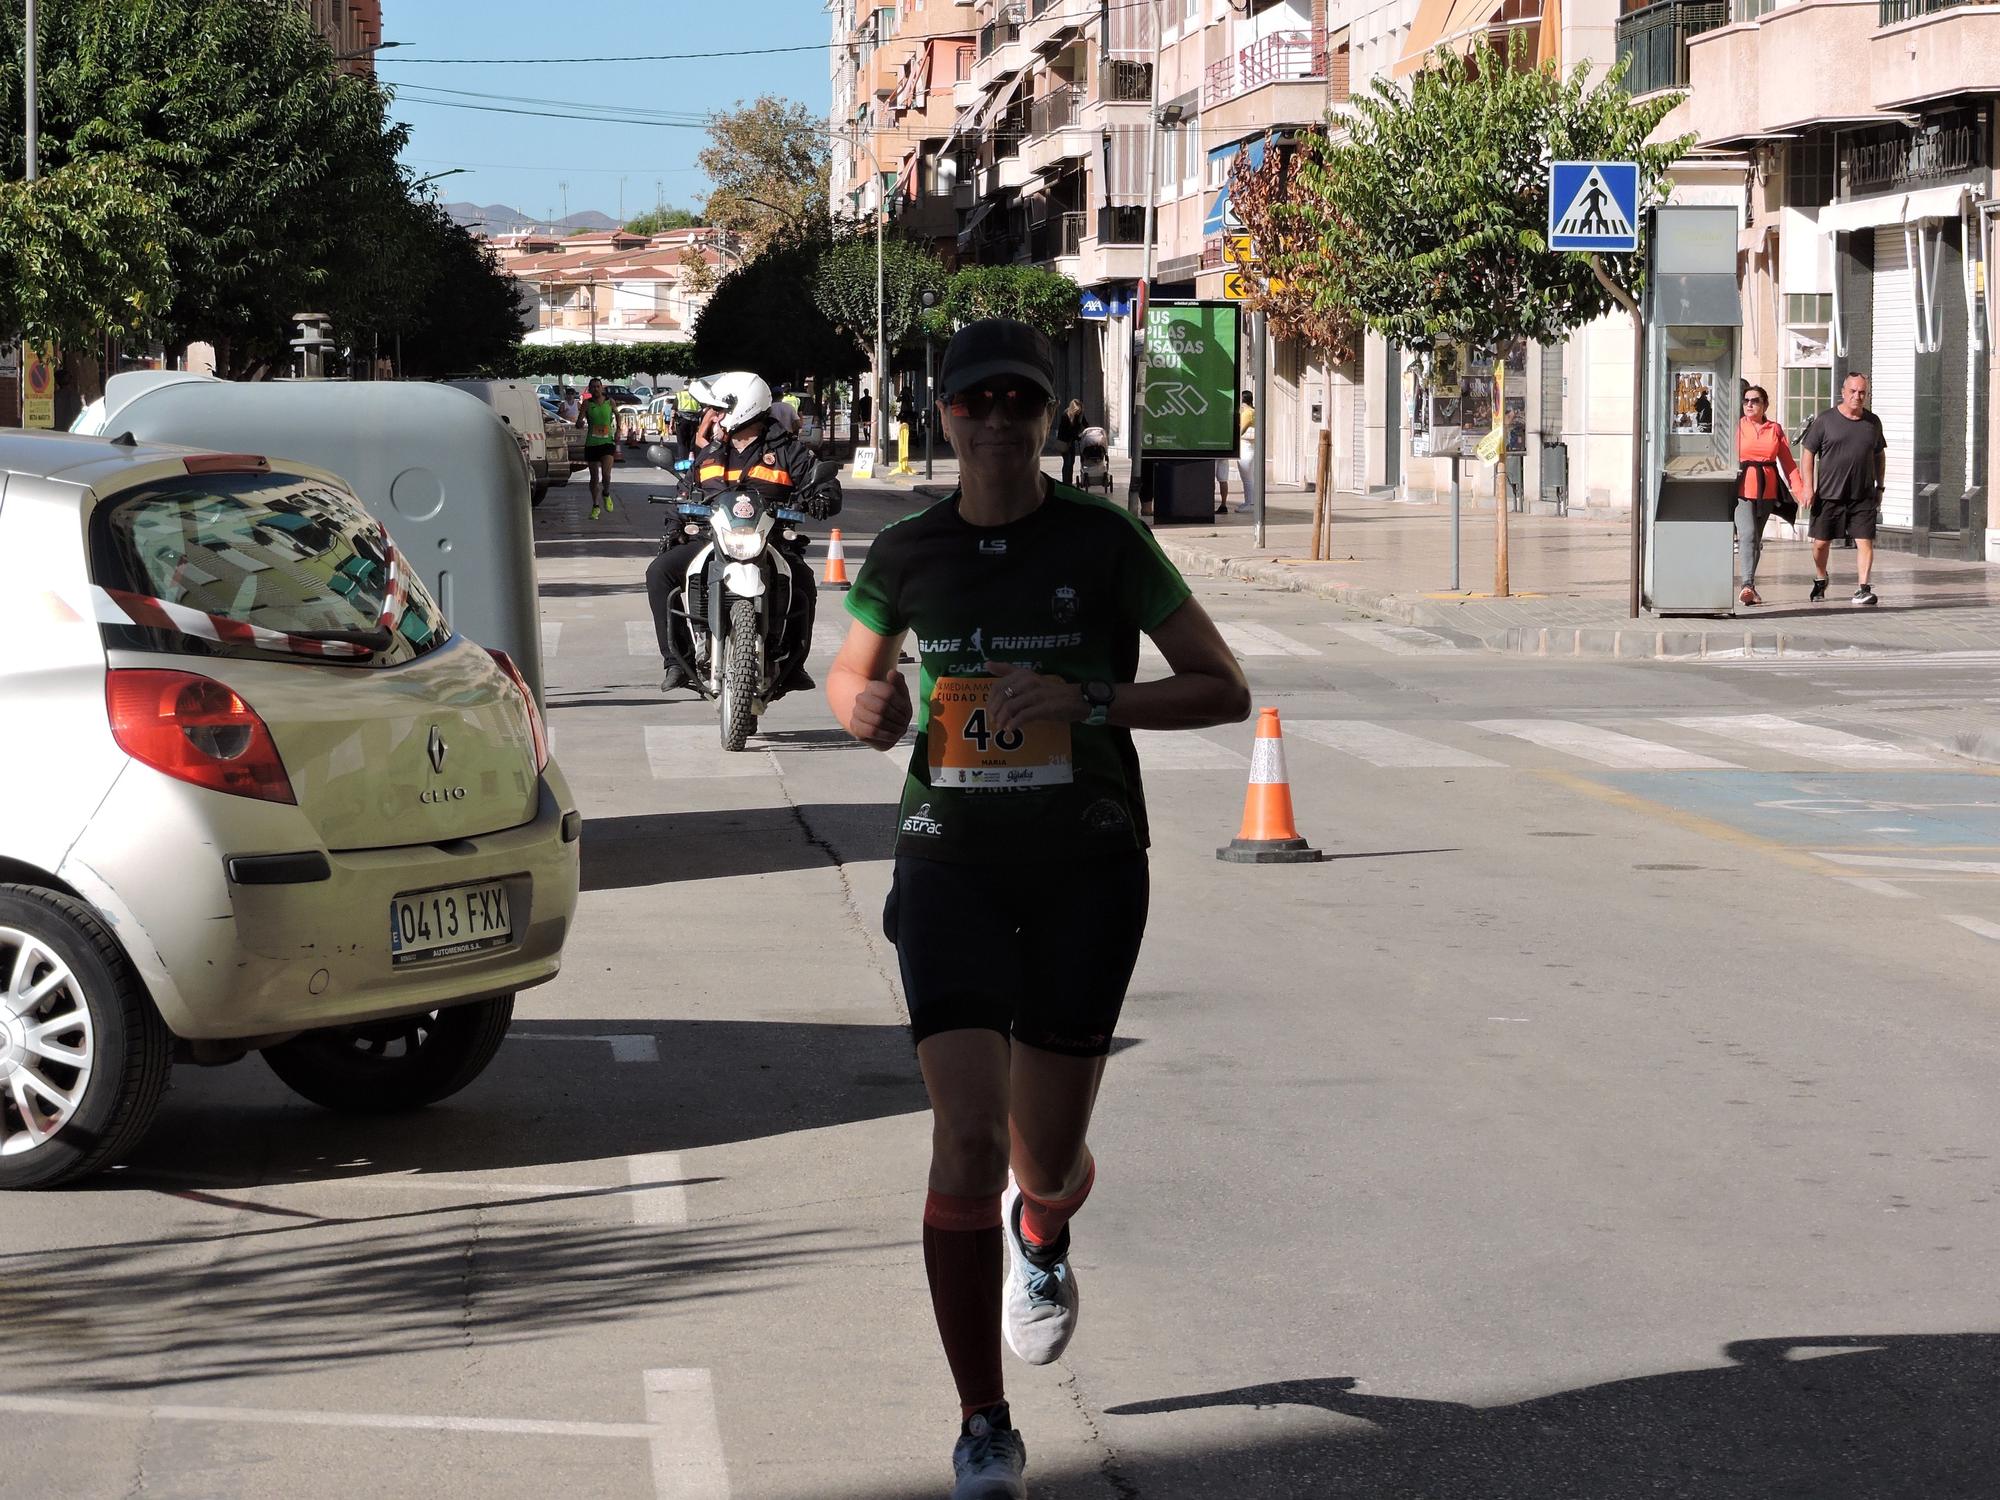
(749, 453)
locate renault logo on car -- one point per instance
(437, 749)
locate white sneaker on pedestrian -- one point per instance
(1041, 1300)
(988, 1461)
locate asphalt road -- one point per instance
(1610, 1116)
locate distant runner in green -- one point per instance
(599, 421)
(1021, 883)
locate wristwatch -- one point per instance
(1097, 696)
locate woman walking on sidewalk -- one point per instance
(1762, 456)
(1021, 885)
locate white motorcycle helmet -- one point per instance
(742, 396)
(702, 388)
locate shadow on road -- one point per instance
(556, 1096)
(1891, 1417)
(647, 849)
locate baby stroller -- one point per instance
(1093, 459)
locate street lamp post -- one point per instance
(1146, 281)
(930, 300)
(28, 81)
(877, 425)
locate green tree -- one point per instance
(660, 220)
(1301, 301)
(769, 163)
(459, 312)
(1042, 299)
(844, 288)
(83, 252)
(1428, 220)
(763, 316)
(278, 170)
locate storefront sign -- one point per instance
(1191, 377)
(1877, 160)
(1091, 307)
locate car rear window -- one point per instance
(254, 565)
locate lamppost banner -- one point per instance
(1193, 370)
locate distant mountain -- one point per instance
(499, 218)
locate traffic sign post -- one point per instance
(1594, 206)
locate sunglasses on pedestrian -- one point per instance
(1019, 406)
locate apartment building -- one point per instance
(353, 28)
(1867, 132)
(615, 287)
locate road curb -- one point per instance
(1635, 642)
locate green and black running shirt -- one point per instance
(1065, 591)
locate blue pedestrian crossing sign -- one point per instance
(1594, 205)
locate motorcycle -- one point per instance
(737, 600)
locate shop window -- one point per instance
(1809, 173)
(1809, 309)
(1808, 392)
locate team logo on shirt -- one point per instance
(978, 648)
(1105, 816)
(1063, 606)
(993, 546)
(921, 821)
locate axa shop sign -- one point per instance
(1190, 379)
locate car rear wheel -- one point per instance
(84, 1055)
(389, 1067)
(538, 494)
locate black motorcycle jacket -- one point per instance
(777, 468)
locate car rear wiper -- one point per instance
(378, 639)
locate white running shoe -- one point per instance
(1041, 1300)
(988, 1460)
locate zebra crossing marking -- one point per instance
(1606, 747)
(1813, 741)
(1247, 639)
(1380, 745)
(1177, 750)
(640, 639)
(1398, 640)
(677, 752)
(551, 638)
(1978, 925)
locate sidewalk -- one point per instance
(1569, 577)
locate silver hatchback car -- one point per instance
(258, 798)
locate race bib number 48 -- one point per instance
(966, 750)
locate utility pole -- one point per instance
(621, 203)
(563, 187)
(28, 78)
(1140, 293)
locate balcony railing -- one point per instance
(1121, 226)
(1123, 82)
(998, 32)
(1895, 11)
(1054, 110)
(1058, 235)
(1281, 57)
(1069, 233)
(1655, 37)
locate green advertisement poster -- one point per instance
(1191, 376)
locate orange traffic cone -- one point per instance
(1269, 836)
(836, 564)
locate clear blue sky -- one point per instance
(520, 159)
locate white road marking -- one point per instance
(1151, 654)
(1607, 747)
(1178, 750)
(1876, 887)
(1397, 640)
(657, 1205)
(677, 751)
(1978, 925)
(687, 1439)
(1812, 741)
(1246, 639)
(628, 1047)
(1381, 746)
(58, 1406)
(551, 637)
(1910, 862)
(640, 639)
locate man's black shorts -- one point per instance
(1834, 520)
(1041, 952)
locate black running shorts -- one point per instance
(1833, 520)
(1041, 953)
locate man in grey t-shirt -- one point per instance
(1842, 458)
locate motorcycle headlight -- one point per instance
(740, 546)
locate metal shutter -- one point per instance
(1893, 381)
(1357, 445)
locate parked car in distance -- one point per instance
(520, 408)
(272, 802)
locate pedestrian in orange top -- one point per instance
(1763, 456)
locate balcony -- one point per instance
(1122, 82)
(1656, 37)
(1059, 237)
(1052, 23)
(1000, 53)
(1121, 226)
(1291, 65)
(1053, 110)
(1793, 68)
(1055, 130)
(1933, 49)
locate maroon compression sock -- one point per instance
(964, 1262)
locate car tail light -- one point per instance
(196, 730)
(536, 727)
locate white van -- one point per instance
(521, 409)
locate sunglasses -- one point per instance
(978, 405)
